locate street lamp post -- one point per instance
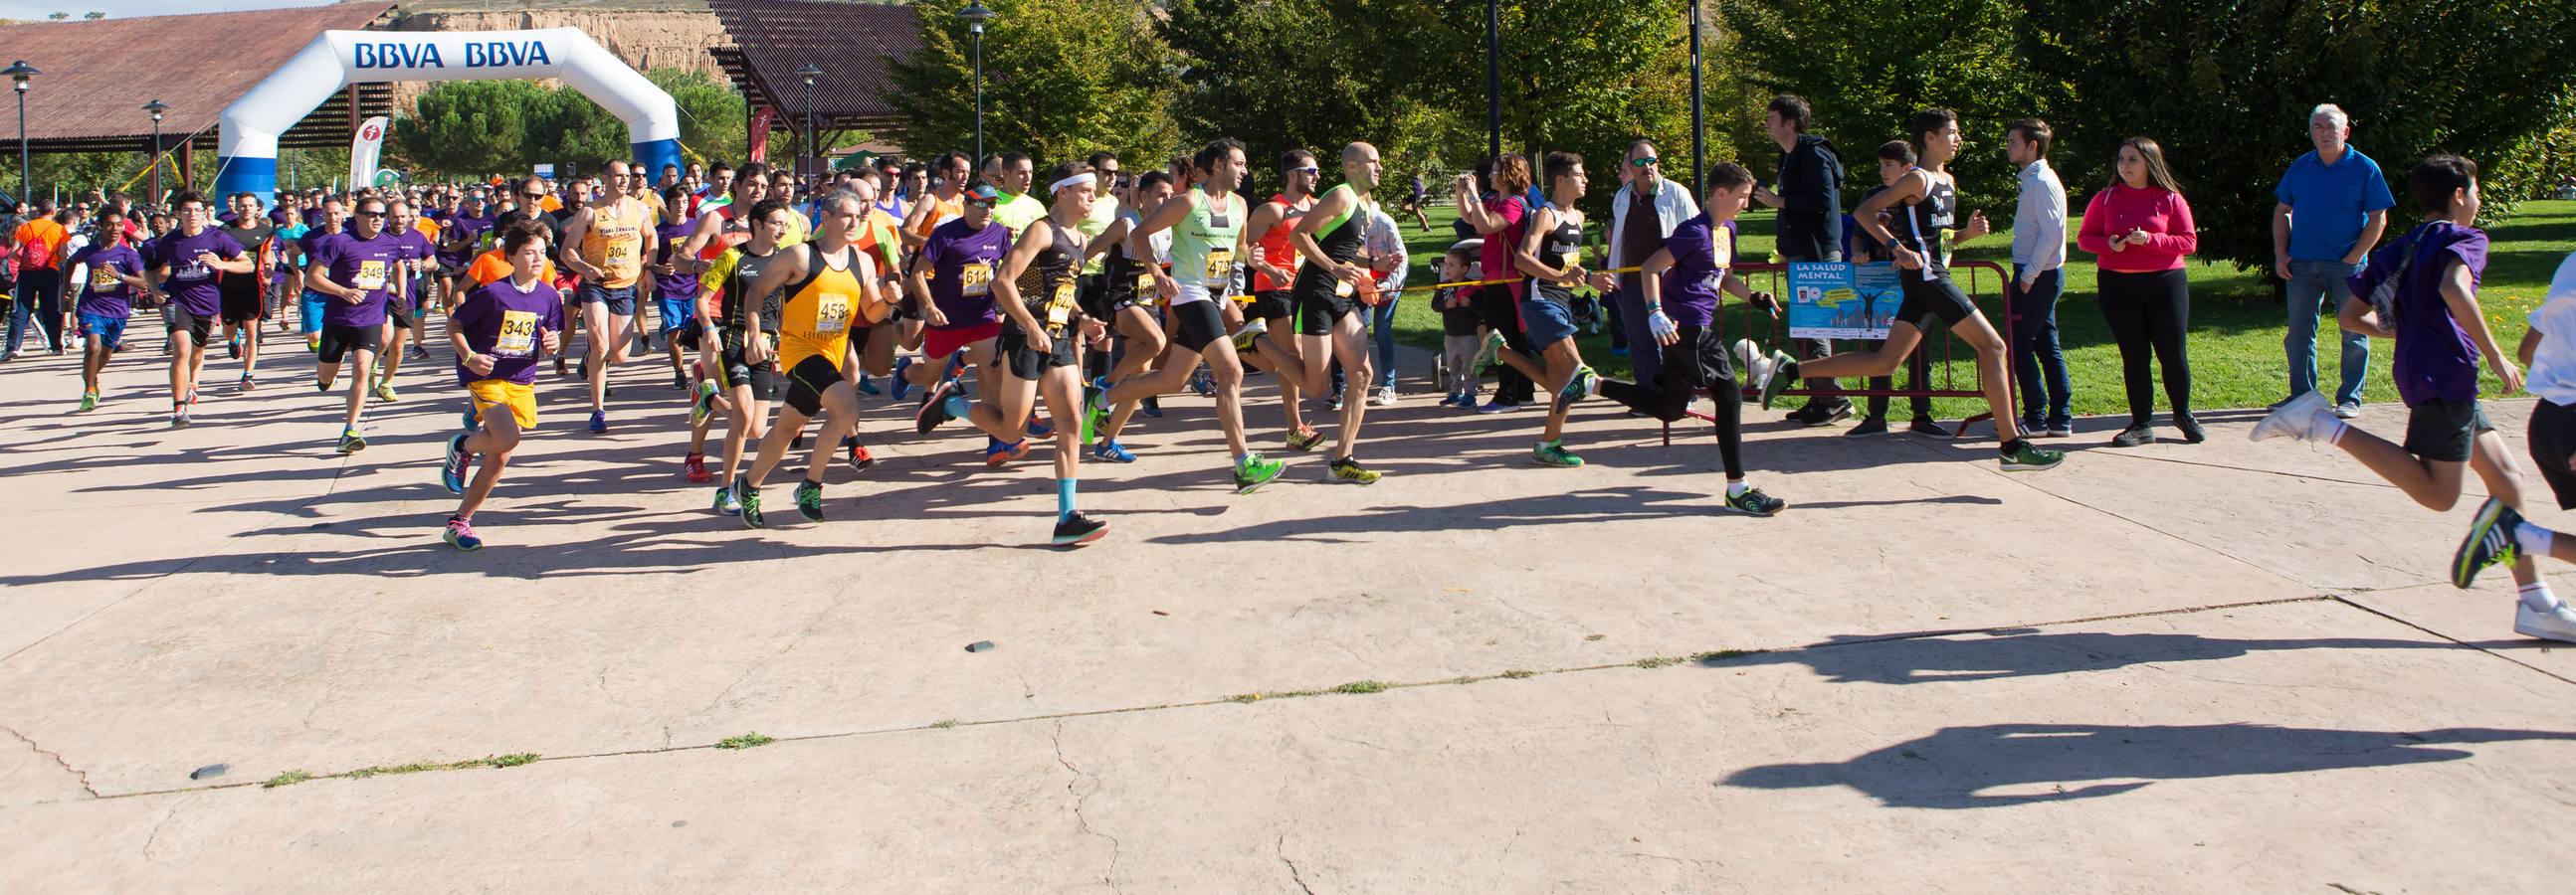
(809, 73)
(976, 15)
(18, 74)
(1493, 79)
(1699, 133)
(158, 109)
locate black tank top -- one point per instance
(1343, 244)
(1919, 226)
(1557, 248)
(1048, 283)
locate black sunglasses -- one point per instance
(371, 214)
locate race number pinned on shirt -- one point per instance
(371, 275)
(1060, 306)
(975, 280)
(831, 313)
(1220, 266)
(1145, 291)
(622, 250)
(518, 336)
(103, 277)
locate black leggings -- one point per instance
(2150, 311)
(1494, 303)
(1700, 362)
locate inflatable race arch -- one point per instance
(337, 59)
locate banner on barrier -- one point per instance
(1837, 300)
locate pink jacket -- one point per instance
(2164, 216)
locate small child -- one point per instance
(2441, 334)
(1461, 328)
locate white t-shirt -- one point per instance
(2553, 367)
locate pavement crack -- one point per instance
(81, 775)
(155, 836)
(1080, 798)
(1280, 848)
(801, 633)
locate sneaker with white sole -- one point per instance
(2555, 623)
(2296, 418)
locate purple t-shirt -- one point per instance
(103, 294)
(957, 255)
(1700, 259)
(679, 284)
(366, 264)
(191, 283)
(415, 246)
(2435, 357)
(462, 232)
(510, 325)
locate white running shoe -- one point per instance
(2555, 623)
(2296, 418)
(1745, 352)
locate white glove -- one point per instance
(1660, 325)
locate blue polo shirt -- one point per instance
(2329, 204)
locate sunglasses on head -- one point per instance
(1645, 162)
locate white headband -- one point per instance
(1082, 179)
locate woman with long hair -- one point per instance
(2140, 228)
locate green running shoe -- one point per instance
(1305, 441)
(1256, 471)
(747, 498)
(1775, 380)
(89, 401)
(2032, 458)
(725, 503)
(1755, 503)
(809, 500)
(2490, 542)
(1584, 384)
(1553, 454)
(705, 405)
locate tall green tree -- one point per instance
(1868, 65)
(1062, 79)
(2226, 85)
(477, 127)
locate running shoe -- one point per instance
(460, 535)
(746, 502)
(1304, 439)
(860, 459)
(2134, 436)
(452, 472)
(470, 419)
(1041, 427)
(694, 466)
(1256, 471)
(179, 418)
(724, 502)
(997, 453)
(679, 381)
(1203, 383)
(1336, 402)
(2347, 410)
(934, 407)
(351, 440)
(868, 385)
(2032, 458)
(1771, 381)
(2295, 418)
(1243, 338)
(2555, 623)
(1095, 413)
(1113, 452)
(809, 500)
(1585, 384)
(598, 421)
(2066, 428)
(1383, 397)
(246, 383)
(385, 391)
(419, 352)
(902, 387)
(1488, 352)
(1924, 425)
(232, 348)
(1151, 407)
(1076, 529)
(704, 405)
(1868, 426)
(2490, 542)
(89, 402)
(1498, 405)
(1349, 470)
(2192, 433)
(1553, 455)
(1755, 503)
(1828, 415)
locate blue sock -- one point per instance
(1063, 499)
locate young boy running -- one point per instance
(1549, 255)
(499, 332)
(1683, 281)
(2549, 349)
(1925, 202)
(2441, 333)
(111, 273)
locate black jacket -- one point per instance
(1811, 214)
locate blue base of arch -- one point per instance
(238, 174)
(655, 154)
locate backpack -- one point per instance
(34, 253)
(2383, 298)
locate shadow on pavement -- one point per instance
(1961, 767)
(1904, 659)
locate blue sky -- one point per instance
(38, 9)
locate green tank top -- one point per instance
(1203, 243)
(1104, 211)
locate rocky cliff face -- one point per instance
(648, 34)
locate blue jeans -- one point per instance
(1644, 356)
(1380, 321)
(2318, 287)
(2039, 365)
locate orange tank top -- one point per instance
(1274, 246)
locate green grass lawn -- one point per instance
(2236, 316)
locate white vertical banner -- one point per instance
(364, 148)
